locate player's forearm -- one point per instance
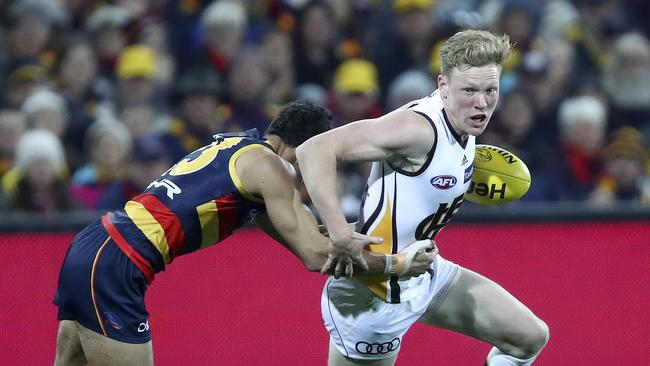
(376, 264)
(319, 172)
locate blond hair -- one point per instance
(474, 48)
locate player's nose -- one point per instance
(480, 101)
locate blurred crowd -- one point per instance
(98, 98)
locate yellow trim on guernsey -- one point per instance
(209, 219)
(92, 285)
(149, 227)
(235, 177)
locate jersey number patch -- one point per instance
(200, 158)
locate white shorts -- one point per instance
(364, 327)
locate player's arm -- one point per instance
(314, 255)
(414, 261)
(287, 219)
(400, 133)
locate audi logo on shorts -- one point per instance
(366, 348)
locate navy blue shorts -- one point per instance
(102, 289)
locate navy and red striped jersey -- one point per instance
(195, 204)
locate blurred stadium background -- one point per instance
(98, 97)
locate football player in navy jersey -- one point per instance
(197, 203)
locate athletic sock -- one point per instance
(498, 358)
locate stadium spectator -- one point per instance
(151, 31)
(355, 92)
(412, 36)
(46, 110)
(22, 81)
(277, 47)
(105, 27)
(247, 82)
(32, 30)
(519, 20)
(76, 80)
(12, 125)
(140, 120)
(108, 147)
(38, 182)
(408, 86)
(200, 112)
(574, 165)
(625, 176)
(223, 25)
(315, 44)
(135, 70)
(599, 24)
(149, 160)
(626, 81)
(557, 18)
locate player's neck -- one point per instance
(463, 135)
(279, 146)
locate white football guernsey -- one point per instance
(403, 207)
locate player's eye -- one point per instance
(491, 91)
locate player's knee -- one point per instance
(536, 337)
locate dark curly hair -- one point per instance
(300, 120)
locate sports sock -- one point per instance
(498, 358)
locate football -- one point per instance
(499, 177)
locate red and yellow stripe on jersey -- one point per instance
(197, 203)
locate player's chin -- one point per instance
(475, 130)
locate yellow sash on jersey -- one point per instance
(384, 229)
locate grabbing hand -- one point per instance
(345, 252)
(413, 261)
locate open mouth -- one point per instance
(479, 118)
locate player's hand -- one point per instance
(345, 252)
(415, 259)
(422, 260)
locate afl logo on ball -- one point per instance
(443, 181)
(482, 155)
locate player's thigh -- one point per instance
(335, 358)
(104, 351)
(68, 345)
(478, 307)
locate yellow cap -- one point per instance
(626, 142)
(356, 76)
(136, 61)
(405, 5)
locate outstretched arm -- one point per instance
(400, 133)
(291, 223)
(412, 262)
(314, 254)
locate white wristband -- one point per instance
(389, 264)
(412, 250)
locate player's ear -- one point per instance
(443, 85)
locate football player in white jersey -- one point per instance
(422, 156)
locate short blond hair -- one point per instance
(474, 48)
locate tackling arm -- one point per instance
(401, 132)
(287, 219)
